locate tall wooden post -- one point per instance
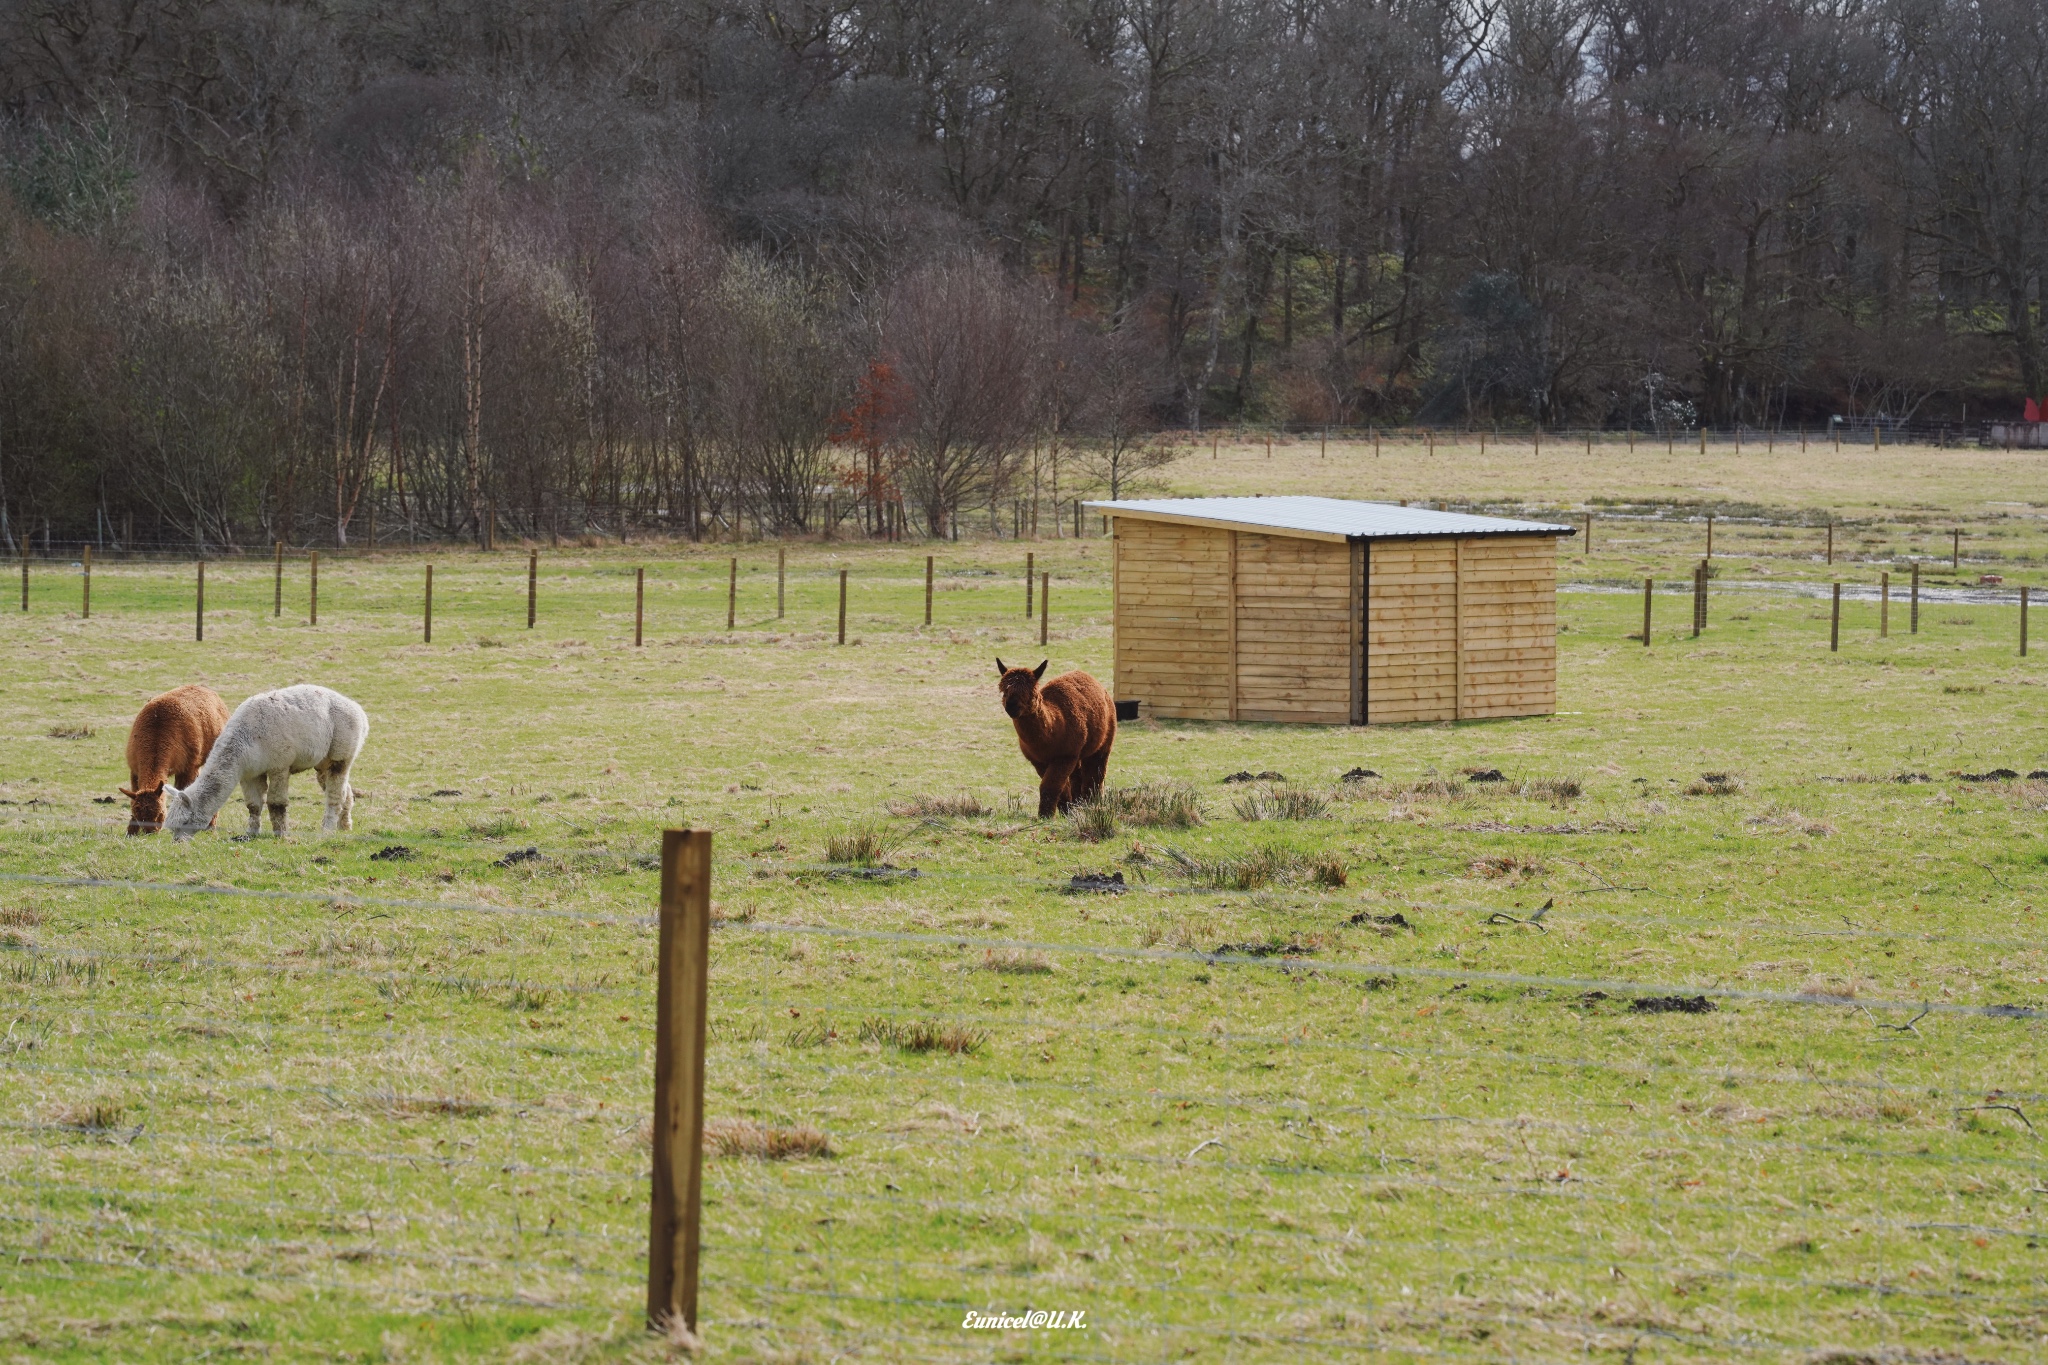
(1699, 587)
(1884, 606)
(927, 589)
(1915, 615)
(1831, 542)
(639, 604)
(1649, 586)
(85, 586)
(1710, 536)
(781, 576)
(681, 998)
(427, 610)
(1955, 550)
(277, 586)
(199, 610)
(732, 591)
(313, 588)
(532, 586)
(1589, 533)
(842, 606)
(1030, 581)
(1044, 606)
(1835, 621)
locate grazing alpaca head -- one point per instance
(1018, 685)
(145, 809)
(183, 819)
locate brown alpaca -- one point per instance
(1065, 729)
(171, 738)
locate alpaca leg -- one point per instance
(252, 797)
(280, 786)
(1088, 775)
(1053, 793)
(334, 782)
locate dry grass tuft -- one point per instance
(71, 732)
(1159, 805)
(1506, 866)
(1281, 803)
(1015, 962)
(1715, 784)
(90, 1116)
(1266, 867)
(20, 916)
(1785, 818)
(1554, 789)
(923, 1035)
(862, 846)
(765, 1142)
(436, 1106)
(963, 807)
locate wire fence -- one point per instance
(1346, 1143)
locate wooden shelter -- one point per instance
(1331, 612)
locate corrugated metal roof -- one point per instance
(1326, 517)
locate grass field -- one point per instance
(299, 1101)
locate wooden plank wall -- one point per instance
(1412, 631)
(1296, 600)
(1173, 618)
(1509, 619)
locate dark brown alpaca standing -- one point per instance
(171, 738)
(1065, 729)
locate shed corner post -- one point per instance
(1233, 626)
(1361, 622)
(1457, 628)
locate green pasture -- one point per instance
(293, 1100)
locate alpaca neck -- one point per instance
(220, 775)
(1034, 716)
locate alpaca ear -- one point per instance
(129, 794)
(1000, 670)
(1039, 671)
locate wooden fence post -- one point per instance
(277, 587)
(1044, 606)
(2023, 621)
(1699, 586)
(1030, 581)
(842, 606)
(781, 577)
(681, 998)
(1915, 623)
(1835, 621)
(313, 588)
(639, 604)
(1955, 549)
(732, 591)
(532, 586)
(1710, 536)
(1649, 586)
(199, 612)
(427, 613)
(927, 589)
(1703, 440)
(85, 586)
(1884, 606)
(1831, 542)
(1589, 533)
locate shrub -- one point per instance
(1093, 821)
(1267, 867)
(1715, 784)
(1558, 789)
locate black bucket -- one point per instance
(1127, 710)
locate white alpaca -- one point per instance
(269, 737)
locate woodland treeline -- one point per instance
(272, 270)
